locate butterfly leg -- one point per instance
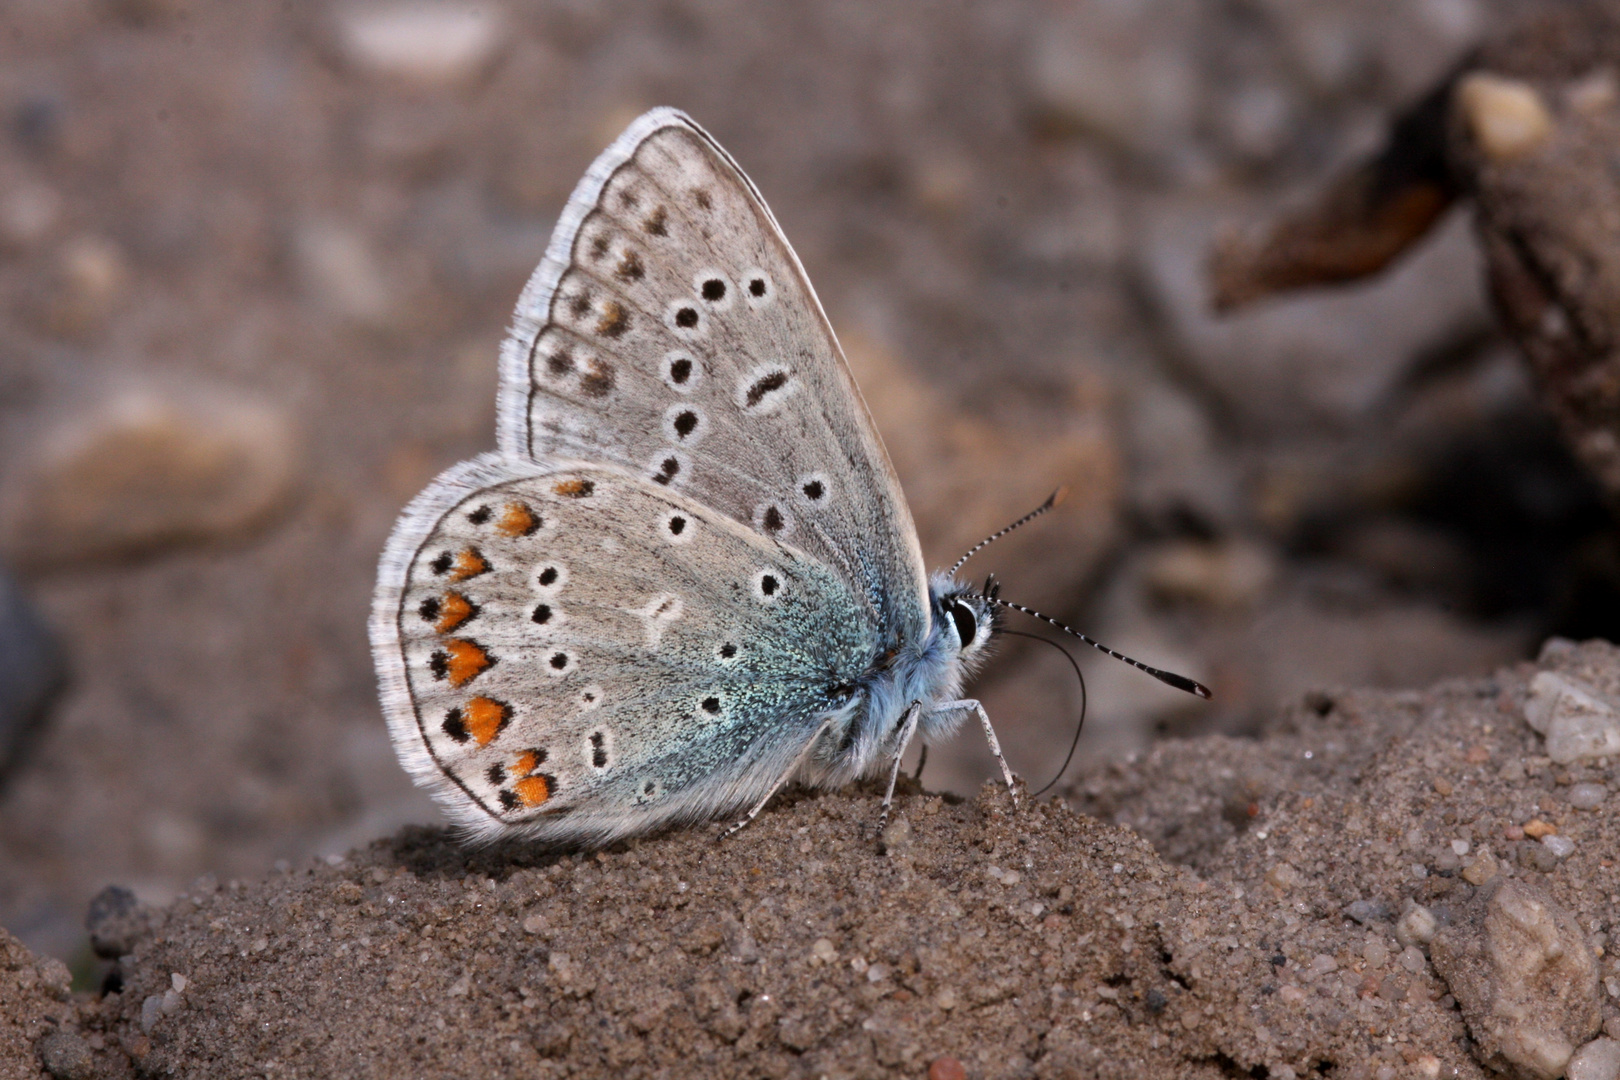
(780, 780)
(989, 733)
(907, 730)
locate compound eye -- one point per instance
(967, 625)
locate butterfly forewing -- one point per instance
(671, 331)
(585, 652)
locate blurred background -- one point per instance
(256, 260)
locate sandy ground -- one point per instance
(1250, 914)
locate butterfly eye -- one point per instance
(967, 624)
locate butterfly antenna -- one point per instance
(1079, 725)
(1169, 678)
(1051, 500)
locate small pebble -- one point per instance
(1322, 964)
(431, 44)
(1417, 926)
(1284, 876)
(1535, 828)
(1587, 796)
(1481, 870)
(1538, 857)
(151, 1009)
(1506, 117)
(1366, 911)
(1413, 960)
(66, 1056)
(1460, 847)
(1597, 1060)
(1561, 846)
(823, 951)
(946, 1068)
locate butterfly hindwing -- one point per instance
(579, 652)
(672, 332)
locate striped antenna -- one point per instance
(1180, 682)
(1051, 500)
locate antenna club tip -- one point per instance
(1202, 691)
(1058, 496)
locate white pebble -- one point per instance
(877, 973)
(1322, 964)
(1460, 847)
(1561, 846)
(1587, 796)
(1597, 1060)
(151, 1009)
(823, 951)
(1417, 926)
(421, 41)
(1413, 960)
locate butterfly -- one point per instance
(688, 575)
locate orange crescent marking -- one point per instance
(454, 610)
(484, 718)
(469, 563)
(526, 763)
(467, 661)
(517, 520)
(532, 790)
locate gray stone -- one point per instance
(146, 470)
(1577, 721)
(1522, 974)
(116, 922)
(1367, 911)
(1587, 796)
(32, 670)
(65, 1056)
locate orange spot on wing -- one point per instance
(485, 717)
(574, 489)
(454, 610)
(467, 660)
(533, 790)
(469, 563)
(526, 763)
(517, 520)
